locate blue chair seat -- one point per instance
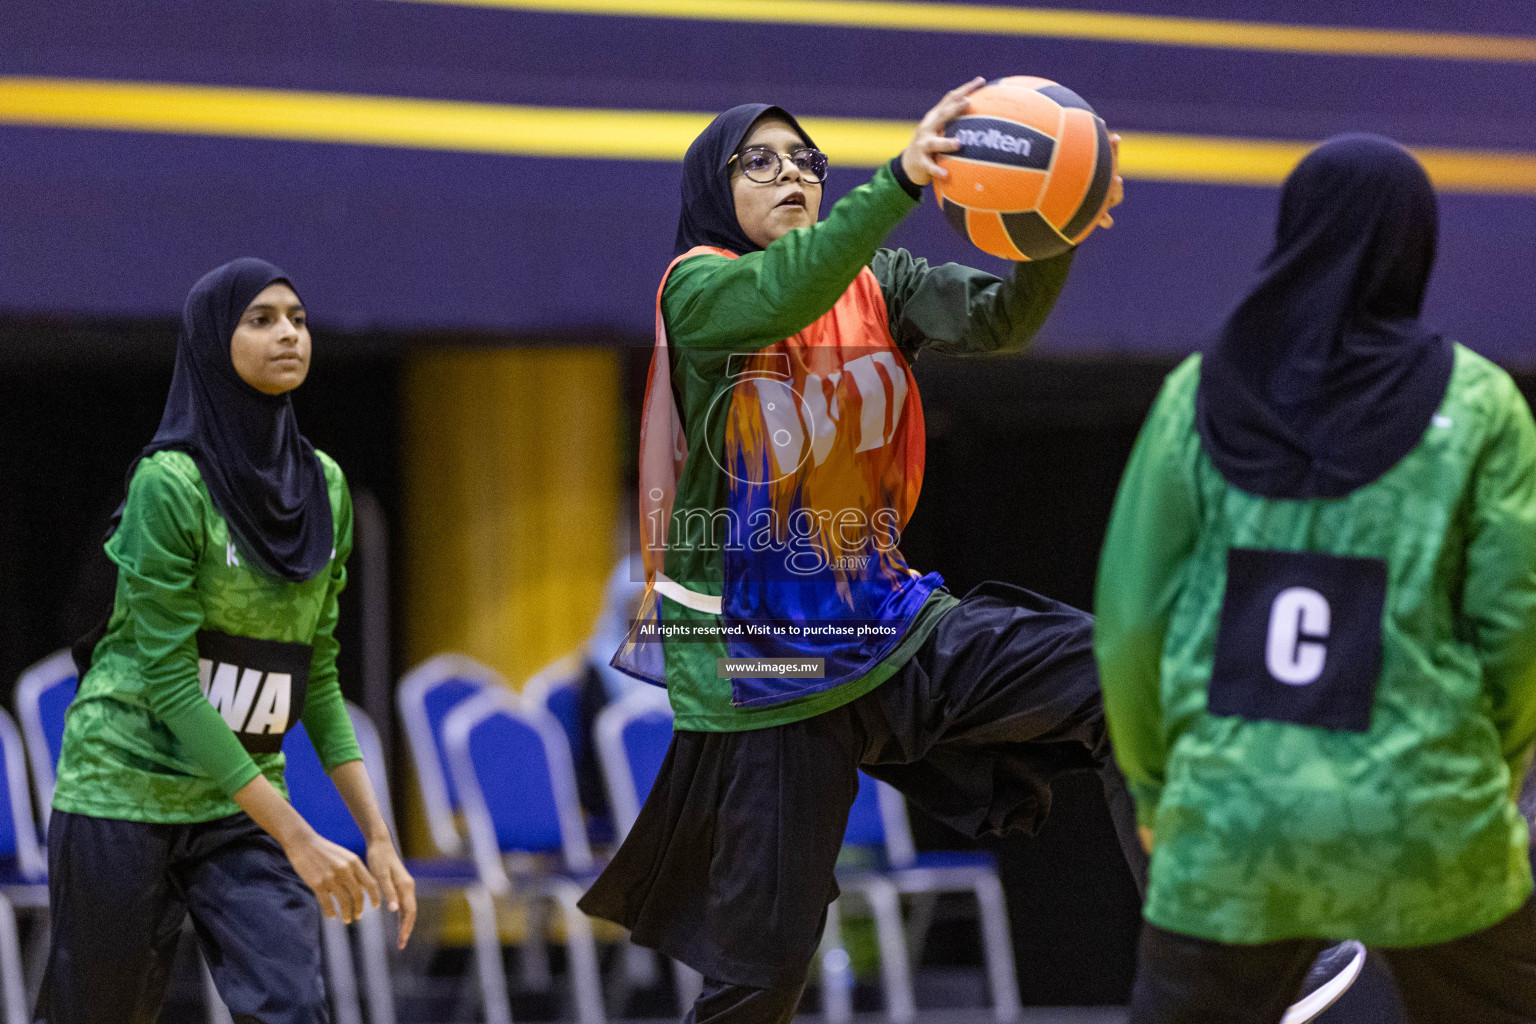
(600, 830)
(454, 871)
(955, 859)
(10, 874)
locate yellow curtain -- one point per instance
(511, 492)
(511, 488)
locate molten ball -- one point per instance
(1033, 172)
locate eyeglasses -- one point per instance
(762, 165)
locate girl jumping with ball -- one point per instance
(782, 454)
(231, 551)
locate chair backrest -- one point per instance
(315, 796)
(18, 832)
(878, 817)
(556, 688)
(43, 694)
(865, 826)
(633, 736)
(512, 768)
(426, 696)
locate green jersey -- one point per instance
(1397, 829)
(144, 739)
(826, 320)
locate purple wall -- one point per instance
(120, 224)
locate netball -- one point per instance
(1034, 172)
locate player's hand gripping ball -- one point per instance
(1034, 172)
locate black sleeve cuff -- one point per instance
(900, 174)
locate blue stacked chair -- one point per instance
(556, 688)
(315, 797)
(878, 826)
(633, 735)
(43, 695)
(23, 870)
(511, 767)
(426, 696)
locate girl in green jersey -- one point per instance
(231, 549)
(1316, 629)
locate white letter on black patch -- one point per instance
(1298, 621)
(271, 712)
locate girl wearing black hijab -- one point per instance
(1317, 630)
(231, 549)
(781, 454)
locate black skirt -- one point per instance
(729, 867)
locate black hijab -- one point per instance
(709, 207)
(1323, 377)
(262, 474)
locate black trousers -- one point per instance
(1488, 977)
(119, 892)
(730, 865)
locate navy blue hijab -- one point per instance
(709, 206)
(1323, 377)
(262, 474)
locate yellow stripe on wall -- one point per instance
(1100, 26)
(347, 118)
(507, 129)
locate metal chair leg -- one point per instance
(639, 965)
(341, 974)
(218, 1013)
(895, 968)
(921, 908)
(836, 971)
(35, 954)
(12, 985)
(586, 981)
(689, 984)
(533, 957)
(372, 943)
(493, 979)
(997, 944)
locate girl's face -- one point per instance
(769, 211)
(270, 346)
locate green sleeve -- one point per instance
(325, 712)
(1152, 534)
(956, 309)
(1499, 592)
(764, 297)
(156, 548)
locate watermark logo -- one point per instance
(783, 422)
(807, 541)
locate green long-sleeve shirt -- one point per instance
(714, 307)
(142, 741)
(1403, 834)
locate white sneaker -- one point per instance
(1334, 970)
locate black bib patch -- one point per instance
(1299, 639)
(259, 686)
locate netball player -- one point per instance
(1317, 629)
(231, 549)
(782, 415)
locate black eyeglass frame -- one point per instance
(812, 176)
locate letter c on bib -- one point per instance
(1294, 651)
